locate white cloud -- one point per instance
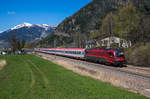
(1, 31)
(11, 12)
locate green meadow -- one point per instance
(31, 77)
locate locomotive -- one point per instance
(111, 56)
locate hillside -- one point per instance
(76, 28)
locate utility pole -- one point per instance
(110, 29)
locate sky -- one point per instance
(51, 12)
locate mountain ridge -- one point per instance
(87, 19)
(27, 32)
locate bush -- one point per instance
(138, 55)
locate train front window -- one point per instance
(119, 53)
(111, 54)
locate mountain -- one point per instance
(1, 31)
(27, 32)
(76, 28)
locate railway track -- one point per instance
(143, 73)
(136, 71)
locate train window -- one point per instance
(75, 52)
(86, 51)
(111, 54)
(82, 52)
(72, 52)
(119, 53)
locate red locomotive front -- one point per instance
(112, 56)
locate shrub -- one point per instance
(138, 55)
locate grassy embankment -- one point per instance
(30, 77)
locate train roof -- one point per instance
(81, 49)
(104, 49)
(71, 49)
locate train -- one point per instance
(106, 56)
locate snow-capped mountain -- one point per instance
(27, 31)
(1, 31)
(25, 24)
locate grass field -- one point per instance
(30, 77)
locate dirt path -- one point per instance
(2, 64)
(45, 79)
(31, 71)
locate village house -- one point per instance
(110, 41)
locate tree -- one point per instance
(141, 34)
(126, 20)
(144, 7)
(107, 25)
(144, 30)
(15, 43)
(145, 22)
(94, 34)
(105, 29)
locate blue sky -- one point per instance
(14, 12)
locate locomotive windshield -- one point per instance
(119, 53)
